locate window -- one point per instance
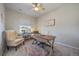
(25, 29)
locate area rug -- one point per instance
(34, 50)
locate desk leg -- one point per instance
(52, 46)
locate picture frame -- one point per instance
(51, 22)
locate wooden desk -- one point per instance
(45, 38)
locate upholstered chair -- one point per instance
(12, 39)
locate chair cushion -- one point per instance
(15, 42)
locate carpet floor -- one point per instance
(26, 50)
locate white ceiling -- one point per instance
(27, 8)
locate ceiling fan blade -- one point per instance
(39, 6)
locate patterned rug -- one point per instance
(28, 49)
(34, 50)
(38, 49)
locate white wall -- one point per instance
(2, 20)
(14, 19)
(66, 28)
(67, 24)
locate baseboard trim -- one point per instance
(66, 45)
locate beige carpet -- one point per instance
(59, 50)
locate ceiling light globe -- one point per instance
(36, 8)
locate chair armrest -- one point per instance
(15, 41)
(10, 40)
(18, 37)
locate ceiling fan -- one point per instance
(38, 7)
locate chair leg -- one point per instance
(23, 43)
(7, 47)
(16, 48)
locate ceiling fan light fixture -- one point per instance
(37, 7)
